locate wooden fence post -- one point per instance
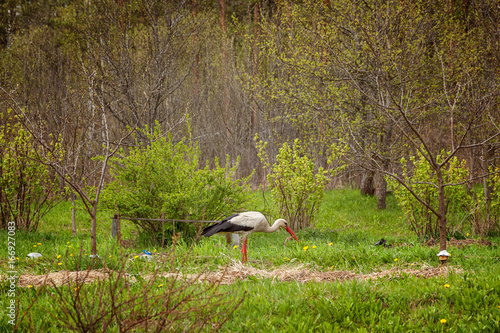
(115, 228)
(119, 230)
(162, 230)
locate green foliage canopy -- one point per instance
(162, 179)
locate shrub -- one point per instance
(487, 214)
(423, 182)
(296, 187)
(162, 179)
(27, 189)
(156, 300)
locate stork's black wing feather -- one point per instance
(224, 226)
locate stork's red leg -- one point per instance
(244, 251)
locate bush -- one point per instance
(156, 300)
(162, 179)
(27, 189)
(487, 214)
(423, 182)
(297, 188)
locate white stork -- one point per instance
(245, 224)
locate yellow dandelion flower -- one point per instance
(395, 259)
(235, 247)
(30, 286)
(59, 263)
(330, 244)
(58, 256)
(443, 321)
(71, 254)
(34, 245)
(447, 285)
(467, 234)
(306, 247)
(136, 257)
(110, 256)
(160, 285)
(412, 264)
(39, 243)
(76, 288)
(154, 250)
(314, 246)
(17, 258)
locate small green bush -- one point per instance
(423, 182)
(486, 218)
(296, 186)
(162, 179)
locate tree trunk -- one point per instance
(226, 117)
(73, 213)
(93, 229)
(442, 212)
(381, 190)
(380, 182)
(488, 156)
(197, 55)
(367, 183)
(229, 238)
(254, 157)
(255, 114)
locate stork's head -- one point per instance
(284, 224)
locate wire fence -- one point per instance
(116, 224)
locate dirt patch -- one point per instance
(238, 271)
(460, 243)
(62, 277)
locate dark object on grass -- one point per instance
(380, 242)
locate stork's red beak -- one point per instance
(287, 228)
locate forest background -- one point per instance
(375, 90)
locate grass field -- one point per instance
(401, 288)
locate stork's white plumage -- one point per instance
(245, 224)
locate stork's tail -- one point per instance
(211, 229)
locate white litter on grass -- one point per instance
(443, 253)
(236, 239)
(34, 255)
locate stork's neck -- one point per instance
(274, 227)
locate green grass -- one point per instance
(347, 209)
(343, 239)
